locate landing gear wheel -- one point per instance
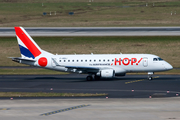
(150, 78)
(89, 78)
(150, 75)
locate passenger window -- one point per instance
(89, 60)
(68, 60)
(85, 60)
(72, 60)
(112, 60)
(59, 60)
(94, 60)
(77, 60)
(104, 60)
(108, 60)
(99, 60)
(64, 60)
(81, 60)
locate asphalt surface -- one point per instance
(130, 86)
(91, 109)
(95, 31)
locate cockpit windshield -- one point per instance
(160, 59)
(157, 59)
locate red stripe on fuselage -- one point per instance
(29, 44)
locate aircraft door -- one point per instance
(145, 62)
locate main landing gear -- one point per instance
(150, 75)
(90, 77)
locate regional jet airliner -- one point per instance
(95, 65)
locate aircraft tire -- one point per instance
(89, 78)
(150, 78)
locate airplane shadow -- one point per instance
(80, 79)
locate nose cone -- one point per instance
(168, 66)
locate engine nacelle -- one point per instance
(108, 73)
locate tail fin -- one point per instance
(27, 45)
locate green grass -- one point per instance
(49, 94)
(42, 71)
(11, 71)
(167, 47)
(170, 72)
(173, 71)
(89, 14)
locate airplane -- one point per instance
(97, 66)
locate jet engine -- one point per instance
(107, 73)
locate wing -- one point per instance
(80, 69)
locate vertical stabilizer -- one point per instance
(27, 46)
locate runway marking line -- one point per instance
(62, 110)
(138, 80)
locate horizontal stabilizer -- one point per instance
(20, 58)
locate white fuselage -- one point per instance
(120, 63)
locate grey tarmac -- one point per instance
(121, 103)
(129, 86)
(98, 109)
(95, 31)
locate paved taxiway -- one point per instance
(95, 31)
(93, 109)
(75, 83)
(122, 102)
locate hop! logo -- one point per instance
(126, 61)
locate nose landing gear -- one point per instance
(150, 75)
